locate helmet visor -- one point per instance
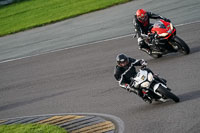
(122, 63)
(142, 17)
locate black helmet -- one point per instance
(121, 58)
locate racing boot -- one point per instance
(147, 99)
(144, 47)
(148, 51)
(144, 97)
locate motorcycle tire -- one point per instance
(168, 94)
(184, 49)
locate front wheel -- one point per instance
(168, 94)
(183, 47)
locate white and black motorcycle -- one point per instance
(152, 86)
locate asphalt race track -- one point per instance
(97, 26)
(81, 79)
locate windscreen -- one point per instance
(159, 24)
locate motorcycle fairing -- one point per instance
(140, 77)
(156, 86)
(162, 27)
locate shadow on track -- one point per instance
(170, 56)
(195, 49)
(145, 107)
(173, 56)
(189, 96)
(156, 105)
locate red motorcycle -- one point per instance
(163, 40)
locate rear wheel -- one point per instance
(168, 94)
(183, 47)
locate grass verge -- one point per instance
(33, 13)
(31, 128)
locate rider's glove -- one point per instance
(167, 20)
(127, 87)
(151, 36)
(147, 99)
(143, 62)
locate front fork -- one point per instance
(156, 86)
(172, 43)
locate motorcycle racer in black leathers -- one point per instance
(142, 26)
(125, 70)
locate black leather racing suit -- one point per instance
(124, 74)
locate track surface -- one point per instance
(81, 80)
(100, 25)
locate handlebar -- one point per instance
(143, 67)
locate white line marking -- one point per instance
(188, 23)
(110, 39)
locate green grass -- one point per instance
(33, 13)
(31, 128)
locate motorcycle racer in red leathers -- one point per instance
(143, 26)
